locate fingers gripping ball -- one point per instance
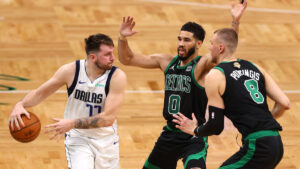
(29, 132)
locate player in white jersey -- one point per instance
(95, 93)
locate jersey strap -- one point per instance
(108, 79)
(72, 87)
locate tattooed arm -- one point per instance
(112, 106)
(106, 118)
(91, 122)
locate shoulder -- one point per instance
(119, 74)
(68, 68)
(118, 79)
(215, 74)
(163, 59)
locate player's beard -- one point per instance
(103, 67)
(190, 52)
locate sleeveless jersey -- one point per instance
(245, 97)
(86, 98)
(183, 93)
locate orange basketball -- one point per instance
(29, 132)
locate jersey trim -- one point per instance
(72, 87)
(238, 59)
(183, 67)
(220, 69)
(262, 133)
(197, 156)
(253, 65)
(108, 79)
(245, 159)
(174, 130)
(194, 79)
(149, 165)
(172, 61)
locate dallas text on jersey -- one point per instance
(88, 96)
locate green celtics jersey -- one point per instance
(183, 93)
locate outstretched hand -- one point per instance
(59, 128)
(237, 10)
(127, 26)
(185, 124)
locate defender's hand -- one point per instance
(15, 116)
(185, 124)
(238, 10)
(127, 26)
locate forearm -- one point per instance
(214, 125)
(93, 122)
(124, 51)
(235, 25)
(31, 99)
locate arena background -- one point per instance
(38, 36)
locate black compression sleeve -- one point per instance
(214, 125)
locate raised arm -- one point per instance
(127, 57)
(61, 77)
(282, 102)
(206, 62)
(237, 11)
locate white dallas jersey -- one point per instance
(87, 99)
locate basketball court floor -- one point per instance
(38, 36)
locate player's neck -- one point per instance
(227, 58)
(93, 72)
(192, 57)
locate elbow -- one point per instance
(286, 104)
(124, 61)
(109, 121)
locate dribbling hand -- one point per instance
(15, 116)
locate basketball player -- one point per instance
(237, 89)
(184, 92)
(95, 93)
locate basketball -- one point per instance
(29, 132)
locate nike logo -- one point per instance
(80, 82)
(116, 142)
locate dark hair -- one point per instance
(93, 42)
(229, 37)
(196, 29)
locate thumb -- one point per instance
(194, 118)
(134, 32)
(232, 4)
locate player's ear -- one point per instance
(92, 56)
(198, 44)
(222, 48)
